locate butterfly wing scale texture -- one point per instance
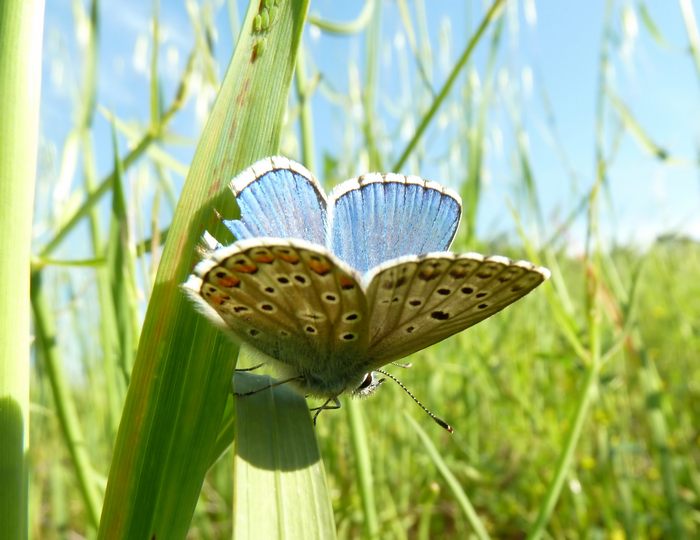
(418, 301)
(278, 198)
(292, 300)
(375, 218)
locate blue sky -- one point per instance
(548, 46)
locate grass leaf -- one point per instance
(280, 488)
(462, 498)
(21, 30)
(181, 376)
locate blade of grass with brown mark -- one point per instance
(182, 373)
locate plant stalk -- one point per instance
(21, 30)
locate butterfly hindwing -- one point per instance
(291, 299)
(375, 218)
(415, 302)
(278, 197)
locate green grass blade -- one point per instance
(154, 90)
(452, 482)
(413, 44)
(691, 28)
(122, 269)
(635, 129)
(345, 28)
(566, 456)
(588, 392)
(181, 377)
(491, 14)
(363, 468)
(476, 138)
(115, 386)
(651, 26)
(280, 489)
(21, 30)
(66, 410)
(661, 437)
(69, 222)
(369, 90)
(306, 125)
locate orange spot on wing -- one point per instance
(291, 258)
(217, 299)
(320, 267)
(264, 258)
(346, 283)
(229, 281)
(245, 268)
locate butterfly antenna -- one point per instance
(402, 365)
(438, 421)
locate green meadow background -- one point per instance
(576, 411)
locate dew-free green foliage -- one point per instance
(20, 76)
(575, 411)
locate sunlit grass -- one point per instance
(575, 410)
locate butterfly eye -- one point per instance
(368, 385)
(366, 382)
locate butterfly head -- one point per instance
(332, 386)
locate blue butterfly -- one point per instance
(335, 287)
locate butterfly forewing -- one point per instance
(415, 302)
(291, 299)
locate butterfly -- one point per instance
(335, 287)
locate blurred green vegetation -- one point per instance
(576, 411)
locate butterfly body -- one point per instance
(334, 288)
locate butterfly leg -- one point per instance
(274, 384)
(326, 407)
(251, 368)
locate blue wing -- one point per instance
(375, 218)
(279, 198)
